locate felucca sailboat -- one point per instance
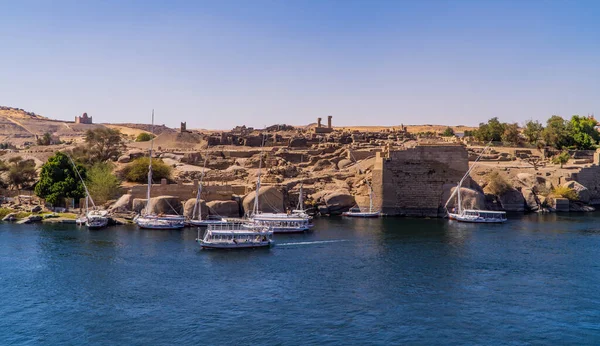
(196, 219)
(153, 221)
(472, 215)
(296, 221)
(95, 218)
(357, 212)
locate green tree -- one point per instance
(144, 137)
(137, 170)
(448, 132)
(583, 132)
(511, 134)
(490, 131)
(561, 158)
(557, 133)
(103, 144)
(533, 131)
(102, 184)
(58, 180)
(46, 139)
(21, 173)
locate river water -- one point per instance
(535, 279)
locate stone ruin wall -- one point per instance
(185, 191)
(410, 182)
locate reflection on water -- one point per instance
(385, 281)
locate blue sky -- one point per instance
(219, 64)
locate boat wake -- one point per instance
(313, 242)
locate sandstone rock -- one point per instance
(339, 201)
(323, 164)
(10, 217)
(36, 209)
(224, 208)
(531, 201)
(512, 200)
(32, 219)
(323, 210)
(343, 163)
(124, 159)
(138, 204)
(171, 156)
(527, 179)
(270, 200)
(135, 153)
(188, 208)
(583, 194)
(470, 198)
(580, 207)
(297, 142)
(165, 205)
(123, 204)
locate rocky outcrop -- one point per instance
(124, 159)
(343, 163)
(165, 205)
(512, 200)
(123, 204)
(270, 200)
(532, 203)
(188, 208)
(335, 202)
(138, 204)
(224, 208)
(583, 194)
(297, 142)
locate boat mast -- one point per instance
(457, 191)
(198, 205)
(150, 165)
(87, 192)
(255, 212)
(301, 199)
(370, 198)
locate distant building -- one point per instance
(321, 129)
(84, 119)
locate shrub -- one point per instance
(144, 137)
(565, 192)
(448, 132)
(497, 185)
(102, 183)
(561, 158)
(137, 171)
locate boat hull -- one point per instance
(205, 223)
(469, 219)
(361, 214)
(239, 245)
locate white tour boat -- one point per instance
(472, 215)
(357, 212)
(93, 219)
(153, 221)
(235, 236)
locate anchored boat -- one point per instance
(93, 219)
(295, 222)
(472, 215)
(357, 212)
(196, 219)
(153, 221)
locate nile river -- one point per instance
(535, 279)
